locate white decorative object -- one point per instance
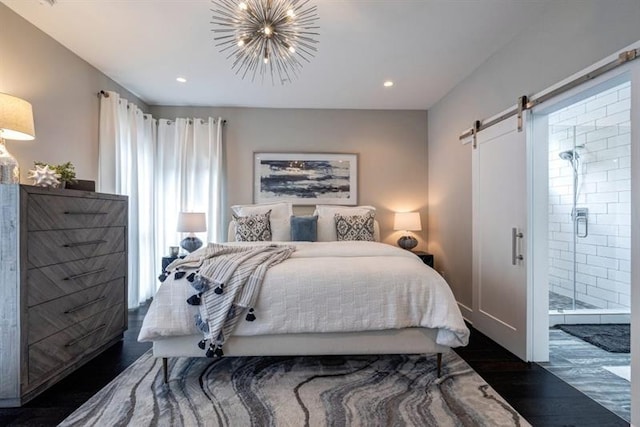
(44, 176)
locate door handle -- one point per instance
(515, 235)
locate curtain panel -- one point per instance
(165, 167)
(189, 177)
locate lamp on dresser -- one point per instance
(16, 122)
(407, 221)
(191, 222)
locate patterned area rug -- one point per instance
(612, 337)
(298, 391)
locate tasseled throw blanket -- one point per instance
(227, 279)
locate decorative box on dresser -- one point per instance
(63, 284)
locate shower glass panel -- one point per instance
(589, 203)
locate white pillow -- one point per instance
(280, 214)
(327, 222)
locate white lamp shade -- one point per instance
(409, 221)
(192, 222)
(16, 118)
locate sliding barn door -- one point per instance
(499, 236)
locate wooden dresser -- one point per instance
(63, 284)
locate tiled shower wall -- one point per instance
(602, 134)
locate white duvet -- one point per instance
(329, 287)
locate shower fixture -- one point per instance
(569, 155)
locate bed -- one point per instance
(328, 298)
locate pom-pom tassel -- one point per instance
(202, 344)
(250, 316)
(191, 277)
(219, 289)
(210, 352)
(162, 277)
(179, 275)
(194, 299)
(218, 351)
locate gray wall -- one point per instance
(62, 88)
(571, 35)
(391, 148)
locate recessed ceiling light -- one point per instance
(388, 83)
(181, 79)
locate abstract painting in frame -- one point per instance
(306, 178)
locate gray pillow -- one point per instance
(355, 227)
(304, 228)
(253, 228)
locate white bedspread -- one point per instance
(330, 287)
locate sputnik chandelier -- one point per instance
(266, 37)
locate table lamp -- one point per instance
(407, 221)
(191, 222)
(16, 122)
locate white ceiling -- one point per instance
(425, 46)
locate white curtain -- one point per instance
(189, 177)
(126, 166)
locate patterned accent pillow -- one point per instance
(355, 227)
(253, 228)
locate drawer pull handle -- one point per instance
(77, 276)
(84, 213)
(86, 304)
(87, 243)
(85, 336)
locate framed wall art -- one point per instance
(306, 178)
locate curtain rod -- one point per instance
(622, 59)
(106, 95)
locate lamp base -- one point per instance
(407, 242)
(190, 243)
(9, 170)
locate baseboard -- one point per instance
(467, 313)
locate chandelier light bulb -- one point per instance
(267, 30)
(292, 49)
(291, 13)
(240, 43)
(242, 5)
(266, 59)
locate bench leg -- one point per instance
(165, 369)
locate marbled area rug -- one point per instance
(298, 391)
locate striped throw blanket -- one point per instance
(228, 280)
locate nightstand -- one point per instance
(425, 257)
(166, 260)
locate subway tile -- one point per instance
(619, 140)
(615, 152)
(613, 219)
(625, 265)
(614, 286)
(624, 197)
(601, 261)
(586, 249)
(624, 231)
(616, 318)
(624, 93)
(610, 186)
(595, 177)
(608, 197)
(601, 101)
(604, 130)
(616, 107)
(601, 166)
(618, 253)
(619, 208)
(619, 242)
(622, 173)
(559, 273)
(613, 120)
(592, 270)
(586, 279)
(602, 294)
(588, 117)
(624, 162)
(585, 318)
(602, 230)
(621, 279)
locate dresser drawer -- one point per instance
(59, 350)
(55, 281)
(53, 316)
(53, 247)
(48, 212)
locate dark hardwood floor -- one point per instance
(542, 398)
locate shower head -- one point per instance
(569, 155)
